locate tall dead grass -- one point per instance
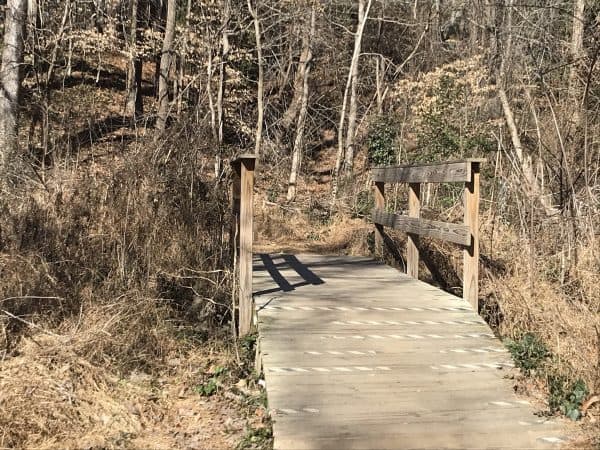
(105, 271)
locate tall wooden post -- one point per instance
(412, 249)
(244, 165)
(379, 204)
(471, 252)
(234, 228)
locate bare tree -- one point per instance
(166, 60)
(577, 54)
(298, 141)
(261, 76)
(135, 106)
(347, 147)
(363, 15)
(12, 58)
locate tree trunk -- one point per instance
(292, 110)
(99, 13)
(12, 58)
(135, 105)
(504, 76)
(298, 141)
(577, 54)
(363, 13)
(524, 161)
(261, 80)
(225, 47)
(166, 61)
(183, 56)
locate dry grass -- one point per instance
(114, 305)
(53, 396)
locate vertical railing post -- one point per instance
(471, 252)
(379, 204)
(244, 167)
(412, 249)
(234, 228)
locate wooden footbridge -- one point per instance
(357, 355)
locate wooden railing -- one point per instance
(241, 236)
(467, 235)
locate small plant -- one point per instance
(313, 236)
(381, 141)
(318, 213)
(363, 204)
(211, 386)
(272, 194)
(257, 438)
(566, 397)
(529, 352)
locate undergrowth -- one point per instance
(106, 271)
(535, 360)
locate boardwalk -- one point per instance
(357, 355)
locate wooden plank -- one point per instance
(459, 171)
(379, 204)
(459, 234)
(412, 249)
(245, 258)
(471, 252)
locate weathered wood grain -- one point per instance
(459, 234)
(459, 171)
(471, 252)
(244, 167)
(412, 244)
(340, 374)
(380, 204)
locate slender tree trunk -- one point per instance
(577, 54)
(183, 56)
(504, 76)
(209, 93)
(225, 48)
(524, 161)
(285, 75)
(363, 12)
(59, 37)
(12, 58)
(261, 80)
(166, 60)
(135, 105)
(298, 141)
(291, 112)
(100, 11)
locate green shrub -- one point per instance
(363, 204)
(381, 141)
(212, 384)
(566, 396)
(529, 352)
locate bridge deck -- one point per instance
(358, 355)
